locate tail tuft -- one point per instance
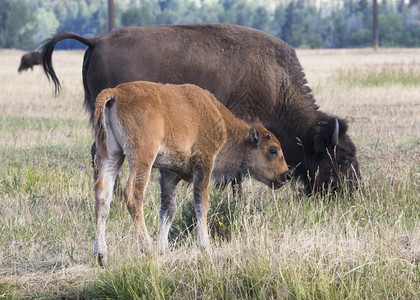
(104, 100)
(47, 48)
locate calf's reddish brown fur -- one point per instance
(187, 134)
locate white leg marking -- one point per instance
(104, 186)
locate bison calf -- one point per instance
(187, 134)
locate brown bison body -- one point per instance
(187, 134)
(29, 60)
(256, 76)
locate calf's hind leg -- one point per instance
(135, 190)
(108, 169)
(117, 184)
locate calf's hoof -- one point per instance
(101, 259)
(205, 248)
(161, 250)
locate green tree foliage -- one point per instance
(330, 24)
(17, 25)
(137, 16)
(47, 23)
(391, 29)
(302, 26)
(83, 17)
(261, 19)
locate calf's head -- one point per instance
(334, 161)
(267, 163)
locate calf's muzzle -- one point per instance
(280, 181)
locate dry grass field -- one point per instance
(269, 245)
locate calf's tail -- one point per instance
(104, 100)
(47, 49)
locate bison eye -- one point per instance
(273, 151)
(345, 160)
(269, 136)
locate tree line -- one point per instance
(301, 23)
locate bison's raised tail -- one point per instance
(47, 49)
(104, 100)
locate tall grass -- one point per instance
(268, 245)
(314, 248)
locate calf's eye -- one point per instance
(273, 151)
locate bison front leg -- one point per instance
(237, 186)
(168, 183)
(201, 204)
(107, 171)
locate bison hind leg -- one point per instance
(168, 184)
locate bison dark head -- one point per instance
(29, 60)
(332, 162)
(23, 66)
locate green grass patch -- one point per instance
(384, 75)
(7, 292)
(410, 145)
(42, 169)
(37, 123)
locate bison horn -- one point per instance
(334, 137)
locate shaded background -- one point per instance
(301, 23)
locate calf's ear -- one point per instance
(254, 136)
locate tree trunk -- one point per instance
(375, 26)
(111, 21)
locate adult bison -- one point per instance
(29, 60)
(255, 75)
